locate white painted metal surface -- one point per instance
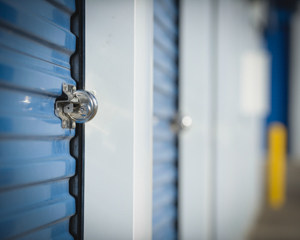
(221, 154)
(294, 98)
(118, 161)
(196, 101)
(239, 142)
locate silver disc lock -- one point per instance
(80, 107)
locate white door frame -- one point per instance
(197, 101)
(118, 145)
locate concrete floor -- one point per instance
(282, 224)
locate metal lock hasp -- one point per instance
(79, 107)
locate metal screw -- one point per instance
(73, 124)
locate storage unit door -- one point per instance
(165, 109)
(36, 44)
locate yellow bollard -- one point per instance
(277, 164)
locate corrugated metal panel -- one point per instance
(35, 48)
(165, 109)
(278, 43)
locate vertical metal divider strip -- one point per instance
(214, 130)
(76, 185)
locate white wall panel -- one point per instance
(118, 173)
(294, 108)
(239, 137)
(196, 101)
(221, 154)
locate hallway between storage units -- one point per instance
(284, 223)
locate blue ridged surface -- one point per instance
(165, 108)
(278, 40)
(35, 162)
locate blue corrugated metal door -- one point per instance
(165, 109)
(36, 44)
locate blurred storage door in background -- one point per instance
(36, 44)
(165, 109)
